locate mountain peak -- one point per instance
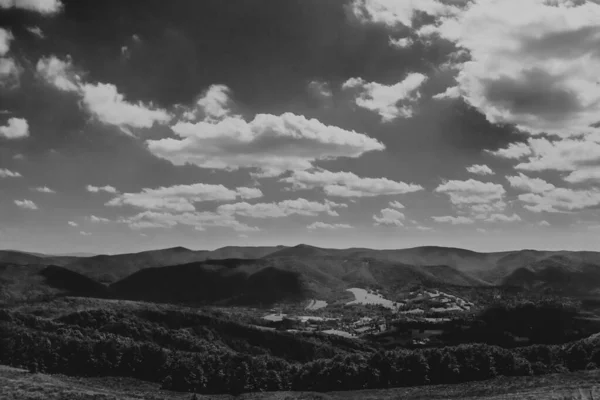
(178, 249)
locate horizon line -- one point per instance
(94, 254)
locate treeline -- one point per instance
(202, 353)
(522, 323)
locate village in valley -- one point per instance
(416, 319)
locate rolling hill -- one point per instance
(25, 258)
(111, 268)
(31, 282)
(559, 274)
(229, 281)
(235, 274)
(275, 279)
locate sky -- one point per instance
(135, 125)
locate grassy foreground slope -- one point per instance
(18, 384)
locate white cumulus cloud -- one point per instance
(96, 189)
(16, 128)
(10, 72)
(320, 89)
(6, 37)
(102, 100)
(560, 200)
(26, 204)
(44, 189)
(281, 209)
(110, 107)
(348, 184)
(396, 204)
(514, 151)
(7, 173)
(528, 184)
(198, 220)
(386, 100)
(531, 63)
(181, 198)
(59, 73)
(471, 191)
(45, 7)
(95, 219)
(460, 220)
(450, 93)
(480, 170)
(401, 43)
(323, 225)
(390, 217)
(394, 12)
(270, 143)
(214, 104)
(503, 218)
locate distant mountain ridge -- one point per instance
(316, 270)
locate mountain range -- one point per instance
(261, 275)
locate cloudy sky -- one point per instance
(131, 125)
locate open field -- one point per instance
(19, 384)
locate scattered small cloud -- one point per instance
(348, 184)
(37, 31)
(44, 7)
(97, 189)
(83, 233)
(72, 223)
(385, 100)
(199, 220)
(6, 37)
(525, 183)
(450, 93)
(471, 192)
(478, 169)
(320, 89)
(460, 220)
(95, 219)
(393, 13)
(401, 43)
(26, 204)
(102, 100)
(283, 208)
(396, 204)
(323, 225)
(182, 197)
(389, 217)
(212, 106)
(424, 228)
(6, 173)
(503, 218)
(560, 200)
(10, 73)
(59, 73)
(44, 189)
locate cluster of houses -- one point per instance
(423, 310)
(363, 326)
(433, 301)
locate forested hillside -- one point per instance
(208, 352)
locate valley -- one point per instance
(299, 316)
